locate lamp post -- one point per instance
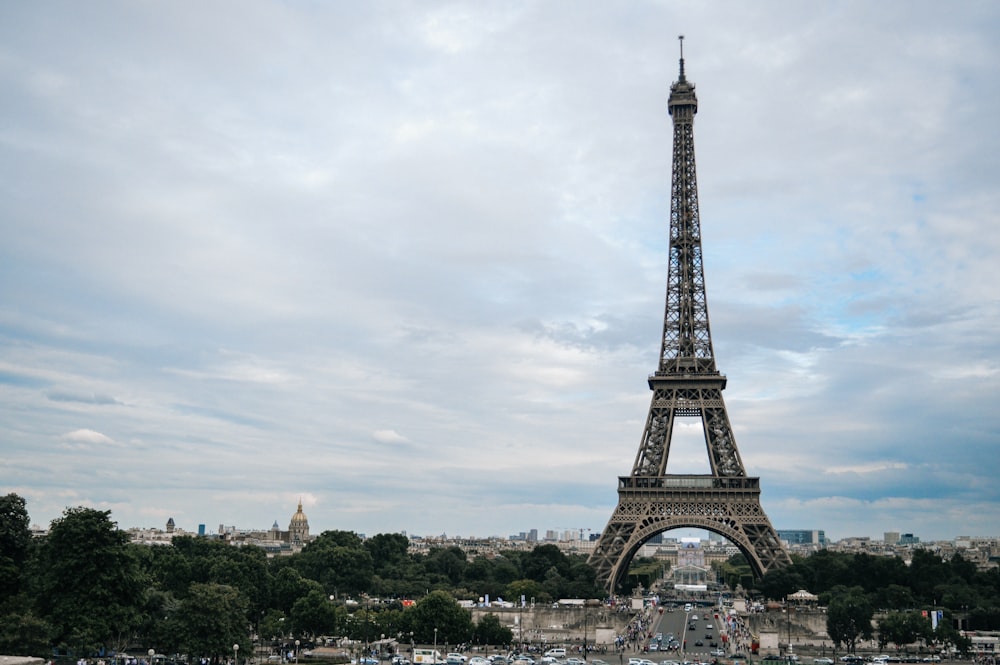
(296, 652)
(435, 657)
(151, 653)
(236, 651)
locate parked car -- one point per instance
(455, 659)
(823, 661)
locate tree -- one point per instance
(89, 588)
(848, 616)
(447, 562)
(388, 550)
(25, 634)
(337, 560)
(779, 583)
(537, 563)
(902, 628)
(895, 597)
(210, 621)
(489, 630)
(15, 541)
(439, 610)
(289, 586)
(314, 614)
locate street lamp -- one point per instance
(151, 653)
(236, 651)
(435, 657)
(296, 652)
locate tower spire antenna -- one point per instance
(680, 38)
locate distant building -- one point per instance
(298, 528)
(803, 536)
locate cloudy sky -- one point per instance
(406, 260)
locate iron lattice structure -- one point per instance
(686, 384)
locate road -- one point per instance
(680, 624)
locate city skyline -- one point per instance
(406, 263)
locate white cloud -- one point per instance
(388, 436)
(88, 436)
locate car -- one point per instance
(691, 626)
(478, 660)
(708, 636)
(574, 661)
(822, 661)
(718, 652)
(699, 643)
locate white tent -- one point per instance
(802, 596)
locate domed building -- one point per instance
(298, 528)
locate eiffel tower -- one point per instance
(686, 385)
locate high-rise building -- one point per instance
(803, 536)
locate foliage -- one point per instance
(339, 561)
(490, 630)
(88, 582)
(902, 628)
(210, 621)
(313, 614)
(642, 572)
(438, 610)
(24, 634)
(848, 616)
(15, 542)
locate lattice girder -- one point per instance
(688, 397)
(728, 507)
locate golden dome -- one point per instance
(299, 517)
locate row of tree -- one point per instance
(925, 582)
(905, 596)
(86, 588)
